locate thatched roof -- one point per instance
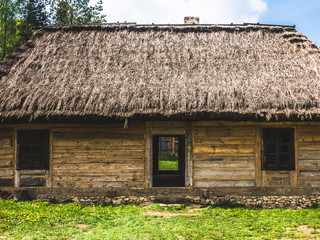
(104, 72)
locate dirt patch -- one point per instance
(83, 225)
(168, 214)
(307, 230)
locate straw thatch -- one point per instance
(103, 72)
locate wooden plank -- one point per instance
(309, 183)
(224, 183)
(231, 165)
(6, 142)
(100, 167)
(309, 163)
(6, 172)
(277, 181)
(105, 184)
(231, 174)
(224, 149)
(6, 182)
(224, 140)
(33, 172)
(258, 158)
(314, 155)
(226, 158)
(5, 163)
(189, 156)
(306, 174)
(294, 176)
(309, 147)
(224, 132)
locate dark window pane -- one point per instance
(278, 145)
(33, 149)
(271, 148)
(39, 149)
(271, 160)
(270, 136)
(26, 149)
(284, 159)
(286, 138)
(26, 159)
(285, 148)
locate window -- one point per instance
(33, 149)
(278, 149)
(168, 161)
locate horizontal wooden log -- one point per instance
(224, 132)
(6, 172)
(32, 172)
(6, 163)
(7, 151)
(101, 166)
(6, 142)
(307, 174)
(314, 155)
(224, 183)
(309, 147)
(6, 182)
(209, 164)
(98, 136)
(231, 174)
(6, 132)
(304, 130)
(32, 181)
(83, 160)
(277, 181)
(106, 184)
(226, 158)
(224, 149)
(224, 140)
(309, 182)
(309, 163)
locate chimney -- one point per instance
(191, 20)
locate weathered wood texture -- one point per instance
(6, 157)
(224, 156)
(109, 156)
(309, 156)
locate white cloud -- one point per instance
(173, 11)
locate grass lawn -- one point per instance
(168, 163)
(43, 220)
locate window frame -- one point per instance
(43, 165)
(292, 150)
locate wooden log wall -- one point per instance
(107, 156)
(6, 157)
(224, 156)
(309, 156)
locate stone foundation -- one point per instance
(293, 202)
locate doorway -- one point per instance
(168, 161)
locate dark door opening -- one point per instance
(168, 161)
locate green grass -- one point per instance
(168, 163)
(43, 220)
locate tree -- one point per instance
(8, 26)
(33, 18)
(76, 12)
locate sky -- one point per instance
(304, 14)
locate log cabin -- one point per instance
(161, 110)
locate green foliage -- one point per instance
(19, 19)
(33, 18)
(168, 162)
(43, 220)
(76, 12)
(9, 39)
